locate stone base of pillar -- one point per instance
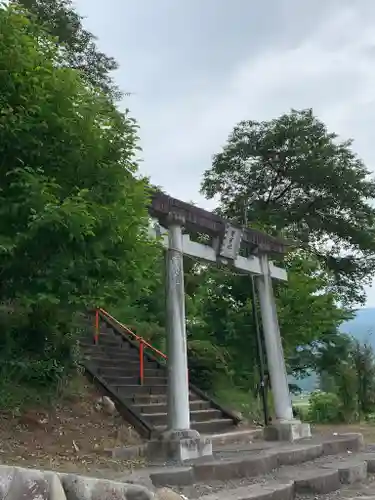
(180, 446)
(287, 430)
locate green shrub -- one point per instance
(34, 360)
(325, 407)
(301, 412)
(239, 399)
(206, 363)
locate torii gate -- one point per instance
(177, 220)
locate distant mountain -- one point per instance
(361, 327)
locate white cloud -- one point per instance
(331, 71)
(332, 77)
(186, 115)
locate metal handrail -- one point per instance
(142, 342)
(136, 337)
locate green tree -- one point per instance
(77, 45)
(363, 360)
(352, 378)
(309, 316)
(293, 177)
(220, 311)
(73, 216)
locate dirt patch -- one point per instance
(74, 436)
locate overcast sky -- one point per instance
(197, 67)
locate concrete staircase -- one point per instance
(314, 468)
(114, 364)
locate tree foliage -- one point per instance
(76, 44)
(73, 218)
(220, 311)
(291, 176)
(309, 316)
(352, 378)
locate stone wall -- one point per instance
(30, 484)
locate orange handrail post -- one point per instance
(141, 363)
(96, 334)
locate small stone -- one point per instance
(135, 492)
(109, 405)
(106, 404)
(168, 494)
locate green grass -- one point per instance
(241, 401)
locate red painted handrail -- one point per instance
(141, 363)
(142, 342)
(96, 334)
(134, 335)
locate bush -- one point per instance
(206, 362)
(325, 407)
(301, 412)
(239, 400)
(73, 210)
(34, 360)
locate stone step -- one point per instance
(109, 332)
(212, 426)
(134, 390)
(103, 361)
(120, 355)
(162, 407)
(208, 427)
(320, 473)
(369, 458)
(352, 470)
(87, 344)
(340, 443)
(103, 338)
(93, 351)
(141, 399)
(119, 352)
(195, 416)
(125, 381)
(112, 342)
(311, 480)
(116, 371)
(270, 491)
(236, 437)
(303, 482)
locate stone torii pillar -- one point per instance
(178, 384)
(181, 442)
(286, 427)
(274, 348)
